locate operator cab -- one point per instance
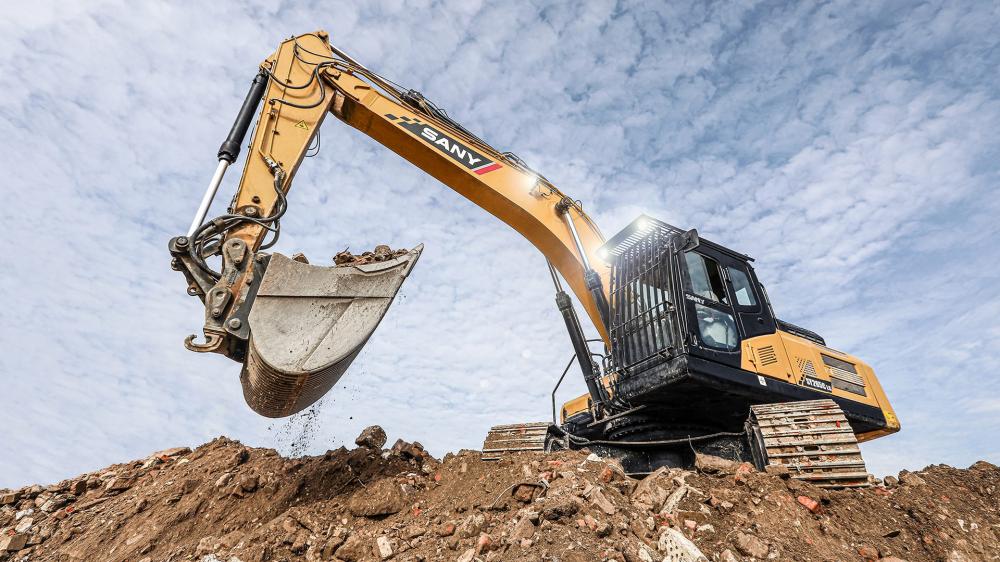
(673, 292)
(694, 337)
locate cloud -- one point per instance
(850, 149)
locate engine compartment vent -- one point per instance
(844, 375)
(766, 355)
(806, 367)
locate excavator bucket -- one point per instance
(307, 325)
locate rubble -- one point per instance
(373, 437)
(380, 253)
(224, 502)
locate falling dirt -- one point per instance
(227, 502)
(296, 434)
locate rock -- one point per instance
(728, 556)
(809, 503)
(907, 478)
(869, 553)
(372, 437)
(525, 493)
(750, 545)
(891, 559)
(78, 488)
(353, 550)
(318, 553)
(467, 556)
(12, 543)
(778, 470)
(446, 530)
(649, 494)
(523, 529)
(249, 483)
(413, 532)
(224, 480)
(384, 547)
(408, 450)
(713, 464)
(484, 543)
(11, 498)
(54, 503)
(172, 453)
(471, 526)
(678, 547)
(119, 484)
(384, 497)
(560, 508)
(675, 498)
(239, 457)
(890, 482)
(608, 475)
(531, 515)
(23, 525)
(639, 553)
(598, 498)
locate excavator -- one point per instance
(691, 358)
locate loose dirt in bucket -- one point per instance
(380, 253)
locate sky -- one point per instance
(851, 148)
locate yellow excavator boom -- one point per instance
(310, 79)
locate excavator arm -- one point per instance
(411, 127)
(297, 86)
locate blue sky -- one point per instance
(850, 148)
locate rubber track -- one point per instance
(812, 439)
(514, 437)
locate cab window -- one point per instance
(741, 284)
(706, 277)
(717, 329)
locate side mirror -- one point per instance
(689, 241)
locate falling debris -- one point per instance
(227, 502)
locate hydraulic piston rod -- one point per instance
(591, 277)
(230, 148)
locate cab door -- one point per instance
(753, 316)
(713, 327)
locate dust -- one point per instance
(296, 435)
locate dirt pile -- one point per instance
(224, 502)
(380, 253)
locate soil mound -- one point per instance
(224, 502)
